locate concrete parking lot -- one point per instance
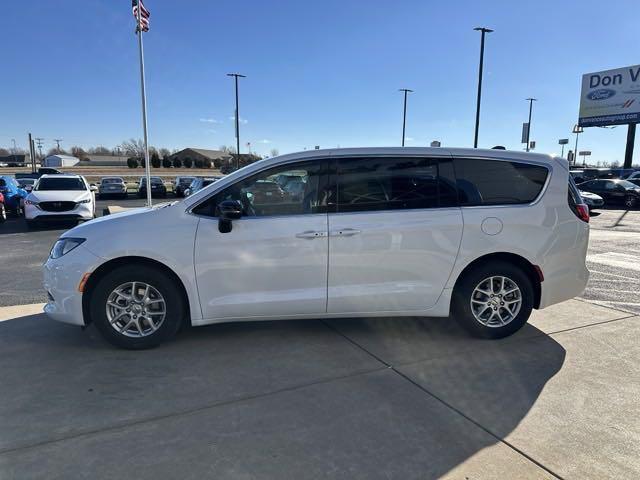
(362, 398)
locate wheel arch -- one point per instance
(532, 271)
(106, 267)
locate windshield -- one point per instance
(154, 180)
(627, 184)
(186, 180)
(111, 180)
(60, 184)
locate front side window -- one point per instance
(60, 184)
(262, 195)
(388, 183)
(497, 182)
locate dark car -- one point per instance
(614, 191)
(157, 187)
(199, 183)
(635, 181)
(181, 184)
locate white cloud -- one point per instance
(209, 120)
(242, 120)
(264, 141)
(409, 139)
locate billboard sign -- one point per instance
(563, 141)
(611, 97)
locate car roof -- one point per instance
(111, 178)
(61, 175)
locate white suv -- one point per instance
(60, 197)
(485, 235)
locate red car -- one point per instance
(3, 212)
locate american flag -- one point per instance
(144, 15)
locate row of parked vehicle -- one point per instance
(601, 188)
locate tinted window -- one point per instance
(495, 182)
(60, 184)
(366, 184)
(261, 195)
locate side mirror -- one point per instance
(227, 211)
(93, 188)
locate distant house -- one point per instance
(105, 160)
(217, 157)
(60, 161)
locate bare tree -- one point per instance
(133, 147)
(274, 152)
(227, 149)
(100, 150)
(79, 152)
(164, 152)
(56, 151)
(4, 152)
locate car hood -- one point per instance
(589, 195)
(59, 195)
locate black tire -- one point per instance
(165, 285)
(630, 201)
(3, 213)
(17, 211)
(461, 300)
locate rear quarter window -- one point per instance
(498, 182)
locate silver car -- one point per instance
(112, 186)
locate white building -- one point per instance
(60, 161)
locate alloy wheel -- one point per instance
(136, 309)
(496, 301)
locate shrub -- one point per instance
(207, 163)
(166, 162)
(132, 162)
(187, 162)
(198, 163)
(177, 163)
(155, 160)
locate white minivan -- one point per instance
(482, 235)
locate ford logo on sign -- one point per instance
(601, 94)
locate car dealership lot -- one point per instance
(383, 398)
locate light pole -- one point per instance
(236, 75)
(482, 31)
(530, 100)
(404, 114)
(577, 129)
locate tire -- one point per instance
(630, 201)
(3, 213)
(166, 289)
(465, 291)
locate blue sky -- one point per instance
(318, 73)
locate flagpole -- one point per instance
(147, 165)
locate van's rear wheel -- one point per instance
(493, 300)
(630, 201)
(137, 307)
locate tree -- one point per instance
(132, 162)
(55, 151)
(227, 149)
(4, 152)
(198, 163)
(207, 163)
(133, 147)
(274, 152)
(164, 152)
(155, 160)
(100, 150)
(177, 163)
(187, 162)
(166, 161)
(79, 152)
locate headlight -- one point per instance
(30, 202)
(87, 200)
(64, 246)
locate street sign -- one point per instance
(563, 141)
(584, 153)
(525, 132)
(610, 97)
(435, 143)
(532, 144)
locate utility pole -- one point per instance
(236, 76)
(530, 100)
(40, 140)
(577, 129)
(404, 114)
(58, 140)
(482, 31)
(32, 154)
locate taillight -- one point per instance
(582, 211)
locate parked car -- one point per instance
(635, 181)
(26, 183)
(110, 186)
(3, 211)
(158, 188)
(60, 197)
(181, 184)
(13, 194)
(48, 171)
(199, 183)
(634, 176)
(390, 232)
(592, 200)
(614, 191)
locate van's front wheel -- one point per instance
(137, 307)
(493, 300)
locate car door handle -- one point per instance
(310, 234)
(345, 232)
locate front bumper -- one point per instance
(109, 191)
(82, 211)
(61, 279)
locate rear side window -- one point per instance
(387, 183)
(497, 182)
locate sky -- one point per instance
(318, 73)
